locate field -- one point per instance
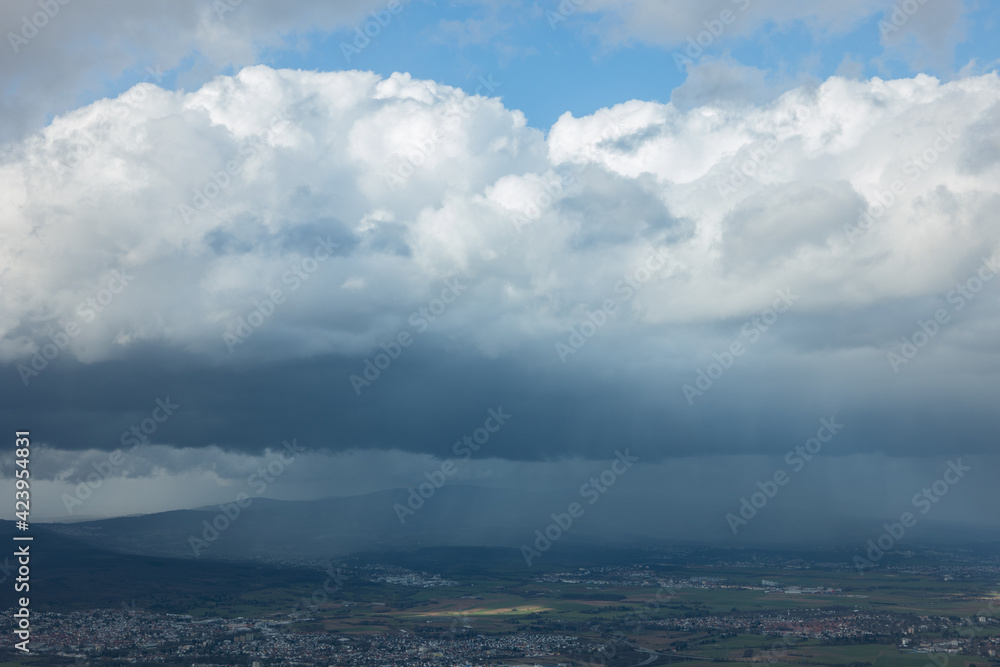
(491, 592)
(503, 603)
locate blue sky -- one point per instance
(548, 67)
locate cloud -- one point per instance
(924, 34)
(813, 500)
(75, 48)
(935, 26)
(471, 31)
(718, 82)
(249, 247)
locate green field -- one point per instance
(497, 594)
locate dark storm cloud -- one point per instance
(605, 285)
(436, 392)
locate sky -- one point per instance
(703, 233)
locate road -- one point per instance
(653, 655)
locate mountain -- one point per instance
(68, 574)
(454, 516)
(458, 515)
